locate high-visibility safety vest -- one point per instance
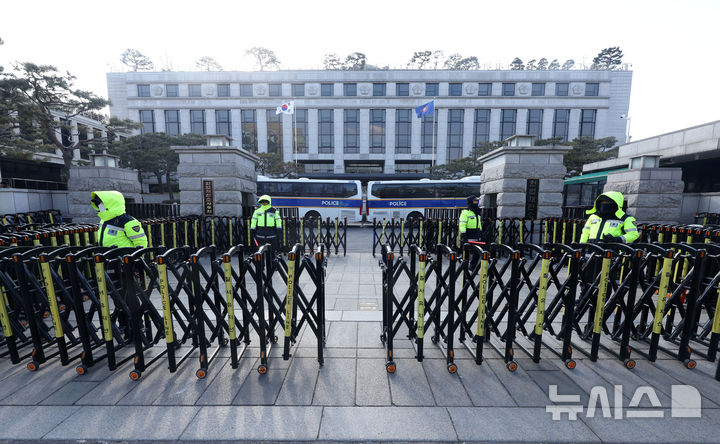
(621, 225)
(470, 224)
(265, 220)
(117, 229)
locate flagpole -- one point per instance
(294, 136)
(433, 133)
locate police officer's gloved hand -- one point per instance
(463, 238)
(610, 238)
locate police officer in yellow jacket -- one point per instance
(117, 229)
(608, 221)
(470, 226)
(266, 223)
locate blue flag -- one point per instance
(425, 109)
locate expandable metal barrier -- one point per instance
(627, 300)
(55, 300)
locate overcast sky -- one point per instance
(672, 45)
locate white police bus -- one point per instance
(409, 198)
(315, 197)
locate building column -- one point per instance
(159, 120)
(574, 124)
(601, 120)
(184, 121)
(390, 136)
(468, 133)
(495, 116)
(236, 126)
(521, 121)
(210, 120)
(313, 132)
(261, 116)
(364, 130)
(547, 127)
(441, 146)
(338, 135)
(416, 134)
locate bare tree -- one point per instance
(206, 63)
(332, 61)
(136, 60)
(452, 61)
(468, 63)
(437, 56)
(264, 58)
(420, 59)
(355, 61)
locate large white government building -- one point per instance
(362, 123)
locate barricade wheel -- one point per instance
(33, 366)
(570, 364)
(390, 367)
(62, 307)
(512, 366)
(689, 363)
(135, 375)
(629, 363)
(225, 342)
(262, 369)
(452, 368)
(201, 373)
(275, 339)
(46, 314)
(81, 369)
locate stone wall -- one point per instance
(232, 171)
(694, 203)
(84, 180)
(652, 194)
(20, 200)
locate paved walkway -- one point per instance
(352, 397)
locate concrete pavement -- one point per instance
(352, 397)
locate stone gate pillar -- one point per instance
(218, 178)
(101, 176)
(522, 180)
(653, 195)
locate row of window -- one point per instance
(351, 128)
(378, 89)
(367, 167)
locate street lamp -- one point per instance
(627, 127)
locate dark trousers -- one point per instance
(272, 240)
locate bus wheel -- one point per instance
(416, 215)
(311, 216)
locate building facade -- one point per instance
(363, 122)
(695, 151)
